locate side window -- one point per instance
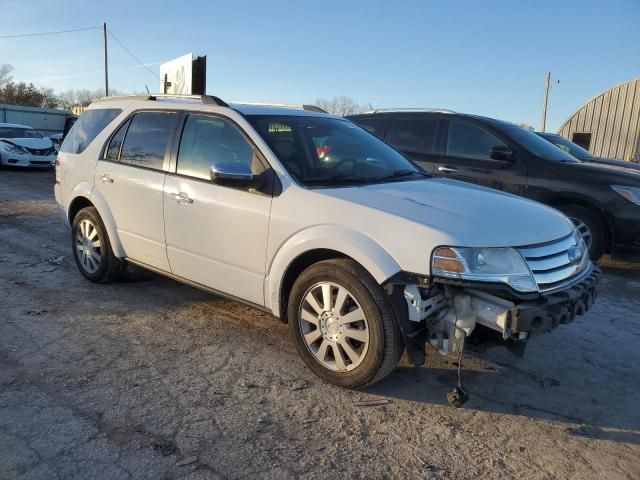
(207, 140)
(413, 134)
(88, 126)
(113, 150)
(466, 140)
(373, 124)
(147, 139)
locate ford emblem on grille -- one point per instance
(575, 254)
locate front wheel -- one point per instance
(343, 325)
(591, 228)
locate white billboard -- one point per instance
(176, 75)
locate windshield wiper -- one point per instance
(401, 174)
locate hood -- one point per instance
(466, 214)
(612, 173)
(613, 163)
(36, 143)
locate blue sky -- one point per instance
(484, 57)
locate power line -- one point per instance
(133, 56)
(39, 34)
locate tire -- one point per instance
(92, 249)
(592, 228)
(347, 361)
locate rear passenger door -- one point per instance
(466, 154)
(415, 136)
(216, 234)
(130, 176)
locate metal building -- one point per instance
(608, 125)
(47, 121)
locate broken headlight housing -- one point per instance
(494, 265)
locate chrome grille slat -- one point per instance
(556, 276)
(548, 249)
(550, 265)
(547, 263)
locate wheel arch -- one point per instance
(94, 199)
(559, 201)
(322, 243)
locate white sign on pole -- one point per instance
(175, 76)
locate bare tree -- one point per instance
(81, 97)
(340, 106)
(5, 74)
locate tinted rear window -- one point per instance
(147, 139)
(413, 134)
(88, 126)
(373, 124)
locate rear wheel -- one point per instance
(343, 325)
(590, 226)
(91, 247)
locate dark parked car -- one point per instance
(582, 154)
(602, 200)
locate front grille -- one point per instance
(40, 151)
(550, 264)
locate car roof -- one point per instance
(206, 103)
(267, 109)
(16, 125)
(408, 112)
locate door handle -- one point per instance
(106, 179)
(447, 169)
(181, 197)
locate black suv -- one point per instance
(602, 200)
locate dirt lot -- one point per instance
(152, 379)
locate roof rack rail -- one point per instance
(205, 99)
(303, 106)
(434, 110)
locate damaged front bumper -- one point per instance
(446, 313)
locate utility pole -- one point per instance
(547, 87)
(106, 65)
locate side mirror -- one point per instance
(501, 152)
(232, 172)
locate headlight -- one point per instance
(630, 193)
(497, 265)
(12, 148)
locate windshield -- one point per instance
(569, 147)
(538, 145)
(18, 132)
(319, 151)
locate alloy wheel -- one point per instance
(334, 326)
(584, 231)
(88, 246)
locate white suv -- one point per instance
(319, 222)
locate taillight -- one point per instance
(323, 150)
(57, 166)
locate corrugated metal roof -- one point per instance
(612, 118)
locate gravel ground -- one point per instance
(152, 379)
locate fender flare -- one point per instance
(86, 190)
(102, 206)
(361, 248)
